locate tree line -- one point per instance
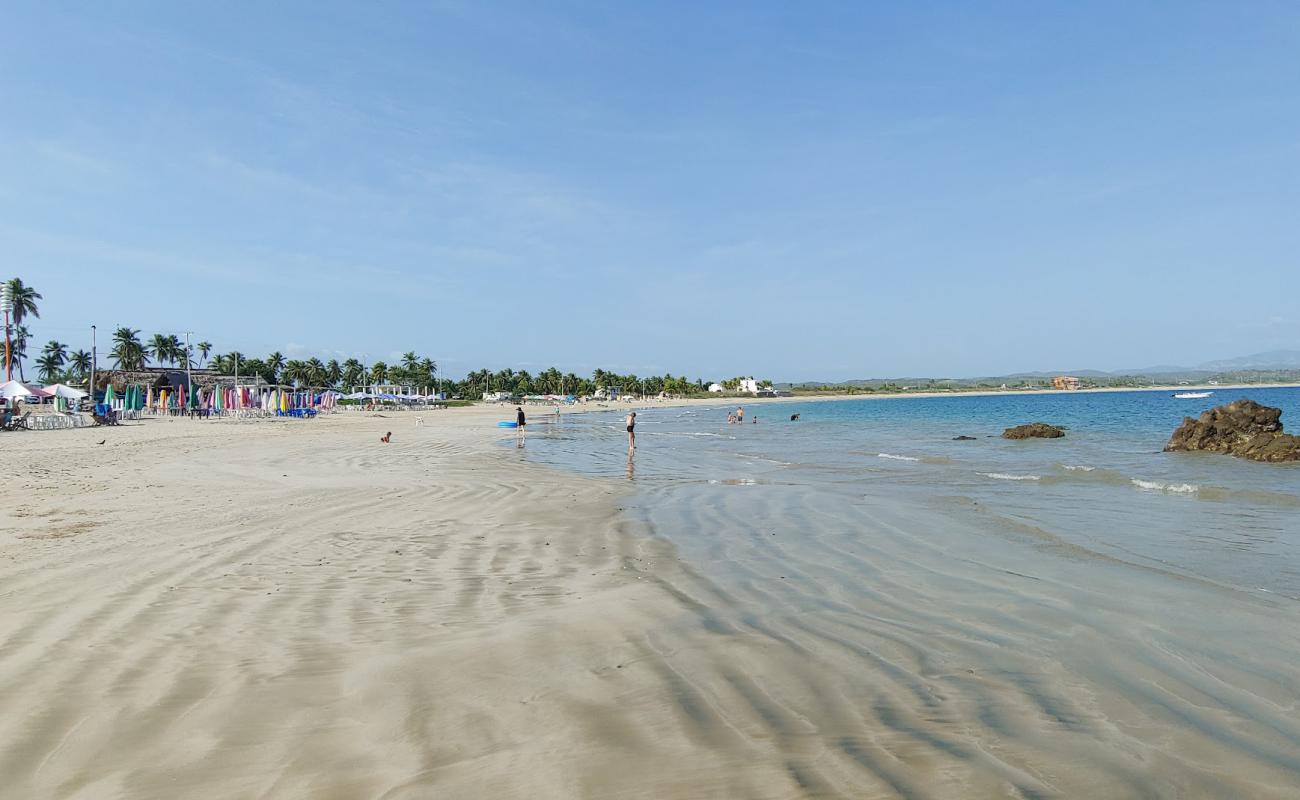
(129, 351)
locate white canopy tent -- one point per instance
(63, 390)
(22, 391)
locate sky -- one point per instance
(808, 191)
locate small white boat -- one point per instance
(1192, 395)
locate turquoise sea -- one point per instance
(1107, 486)
(1077, 617)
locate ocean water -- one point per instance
(1106, 486)
(880, 610)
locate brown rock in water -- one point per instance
(1034, 430)
(1242, 428)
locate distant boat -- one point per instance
(1193, 395)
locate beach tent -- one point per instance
(63, 390)
(13, 389)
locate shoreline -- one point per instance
(727, 402)
(291, 608)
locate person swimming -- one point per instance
(386, 437)
(794, 417)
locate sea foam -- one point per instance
(1160, 486)
(896, 458)
(1002, 476)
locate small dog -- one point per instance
(386, 437)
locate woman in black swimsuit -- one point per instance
(519, 417)
(631, 431)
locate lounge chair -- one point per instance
(23, 423)
(108, 417)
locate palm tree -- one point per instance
(49, 367)
(25, 298)
(177, 349)
(294, 372)
(161, 347)
(204, 348)
(57, 351)
(128, 352)
(230, 362)
(21, 335)
(315, 372)
(79, 364)
(333, 372)
(379, 372)
(275, 363)
(354, 372)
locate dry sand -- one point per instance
(292, 609)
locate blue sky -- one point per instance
(797, 191)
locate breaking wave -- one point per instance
(1002, 476)
(1161, 486)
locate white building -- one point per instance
(748, 386)
(715, 387)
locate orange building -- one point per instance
(1065, 382)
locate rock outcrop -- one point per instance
(1034, 430)
(1242, 428)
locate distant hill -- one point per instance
(1274, 359)
(1274, 365)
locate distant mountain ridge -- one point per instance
(1284, 360)
(1273, 359)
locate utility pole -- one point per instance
(94, 361)
(189, 380)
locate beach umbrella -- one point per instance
(216, 400)
(109, 395)
(284, 401)
(150, 401)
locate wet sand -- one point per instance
(292, 609)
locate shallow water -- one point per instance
(1086, 616)
(1106, 486)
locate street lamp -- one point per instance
(7, 302)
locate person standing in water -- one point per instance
(520, 419)
(740, 413)
(631, 431)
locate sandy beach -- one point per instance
(292, 609)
